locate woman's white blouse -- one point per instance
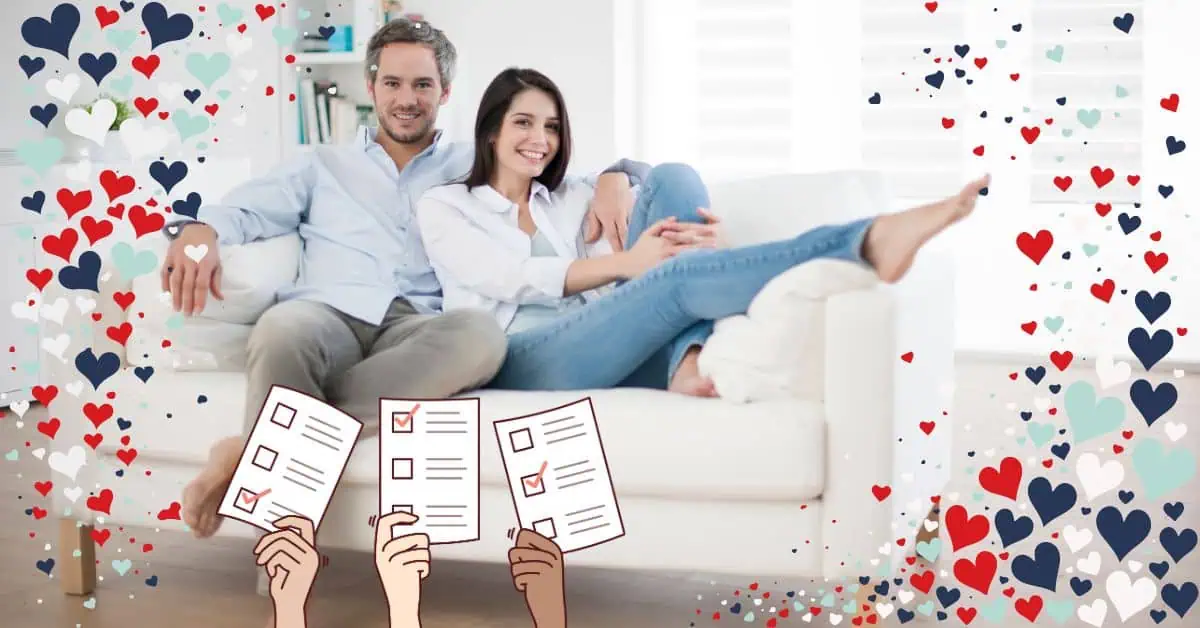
(484, 261)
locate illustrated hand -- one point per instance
(402, 562)
(609, 211)
(189, 280)
(537, 570)
(291, 560)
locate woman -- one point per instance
(508, 240)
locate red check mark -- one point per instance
(402, 423)
(537, 479)
(252, 497)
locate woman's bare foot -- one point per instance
(688, 380)
(202, 496)
(894, 239)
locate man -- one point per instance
(363, 319)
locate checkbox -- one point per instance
(533, 484)
(402, 468)
(283, 416)
(247, 500)
(402, 508)
(521, 440)
(545, 527)
(402, 422)
(264, 458)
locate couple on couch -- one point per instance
(430, 268)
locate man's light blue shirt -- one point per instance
(350, 259)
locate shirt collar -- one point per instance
(499, 203)
(365, 140)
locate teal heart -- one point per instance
(24, 232)
(995, 611)
(926, 609)
(1001, 44)
(1021, 440)
(1026, 109)
(798, 607)
(849, 607)
(1091, 418)
(284, 36)
(1090, 249)
(929, 550)
(201, 146)
(1068, 132)
(122, 566)
(40, 155)
(12, 456)
(1060, 610)
(1089, 117)
(30, 368)
(1055, 54)
(1059, 158)
(224, 94)
(1122, 92)
(1053, 323)
(175, 321)
(188, 125)
(1067, 285)
(120, 38)
(304, 14)
(90, 604)
(132, 264)
(32, 329)
(827, 601)
(76, 554)
(208, 69)
(1161, 471)
(749, 617)
(229, 15)
(123, 84)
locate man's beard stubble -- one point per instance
(412, 138)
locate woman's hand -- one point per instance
(663, 240)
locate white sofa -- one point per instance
(776, 479)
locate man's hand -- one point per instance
(291, 560)
(609, 211)
(402, 563)
(537, 570)
(192, 268)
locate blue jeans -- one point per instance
(635, 335)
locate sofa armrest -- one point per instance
(875, 404)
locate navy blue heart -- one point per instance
(45, 115)
(1035, 375)
(1160, 569)
(1026, 415)
(1153, 402)
(83, 276)
(882, 588)
(1174, 146)
(1180, 599)
(1003, 579)
(935, 80)
(326, 31)
(1080, 586)
(1158, 616)
(1173, 510)
(1150, 349)
(34, 202)
(948, 596)
(1177, 544)
(56, 34)
(736, 608)
(1054, 388)
(164, 29)
(97, 369)
(1125, 496)
(1061, 100)
(31, 65)
(1061, 450)
(189, 207)
(1124, 22)
(1166, 190)
(962, 50)
(1051, 503)
(1012, 529)
(124, 423)
(1152, 307)
(192, 95)
(941, 616)
(45, 566)
(126, 6)
(1085, 510)
(97, 68)
(1122, 533)
(791, 594)
(1016, 28)
(1128, 223)
(959, 73)
(1008, 119)
(152, 581)
(904, 615)
(1041, 570)
(143, 373)
(168, 176)
(875, 99)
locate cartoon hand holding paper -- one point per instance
(290, 557)
(402, 562)
(537, 570)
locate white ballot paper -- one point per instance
(559, 477)
(429, 466)
(292, 462)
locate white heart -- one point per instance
(1041, 403)
(20, 407)
(1110, 373)
(85, 304)
(164, 297)
(196, 252)
(835, 619)
(81, 171)
(931, 525)
(248, 75)
(20, 424)
(39, 453)
(907, 477)
(238, 44)
(1175, 431)
(1093, 613)
(990, 453)
(807, 618)
(874, 562)
(142, 140)
(93, 126)
(56, 346)
(68, 464)
(1090, 565)
(74, 388)
(884, 609)
(1135, 566)
(905, 596)
(56, 311)
(170, 91)
(27, 309)
(73, 493)
(1077, 539)
(886, 550)
(1096, 479)
(1129, 598)
(63, 89)
(758, 602)
(1177, 372)
(240, 120)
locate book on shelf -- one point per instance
(325, 116)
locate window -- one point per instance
(749, 87)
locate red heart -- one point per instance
(907, 357)
(106, 17)
(1049, 462)
(1127, 434)
(931, 7)
(166, 343)
(147, 548)
(116, 186)
(74, 202)
(117, 211)
(43, 487)
(146, 65)
(1156, 236)
(172, 512)
(241, 28)
(1103, 209)
(1029, 327)
(857, 621)
(1182, 331)
(102, 503)
(1102, 177)
(1170, 103)
(1104, 291)
(1015, 77)
(97, 414)
(39, 278)
(1155, 261)
(264, 12)
(101, 536)
(963, 529)
(1063, 183)
(1061, 360)
(771, 623)
(1009, 591)
(1133, 179)
(1049, 121)
(49, 428)
(947, 123)
(143, 222)
(95, 230)
(927, 427)
(921, 582)
(61, 245)
(39, 514)
(979, 574)
(1012, 376)
(978, 151)
(881, 492)
(125, 441)
(270, 90)
(120, 333)
(1030, 134)
(1029, 608)
(980, 62)
(96, 316)
(127, 455)
(163, 115)
(966, 614)
(45, 395)
(93, 440)
(1118, 449)
(145, 105)
(124, 299)
(1035, 247)
(212, 109)
(1005, 481)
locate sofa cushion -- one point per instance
(684, 448)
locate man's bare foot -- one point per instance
(894, 239)
(688, 380)
(202, 496)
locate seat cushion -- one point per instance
(657, 443)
